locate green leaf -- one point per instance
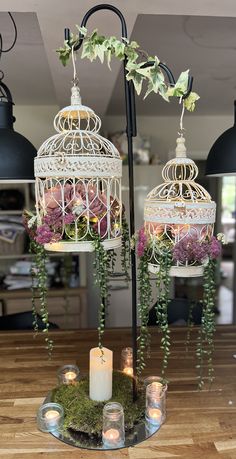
(82, 30)
(190, 102)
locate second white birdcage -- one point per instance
(179, 214)
(78, 183)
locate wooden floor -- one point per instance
(198, 425)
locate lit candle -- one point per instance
(154, 415)
(127, 361)
(70, 376)
(111, 436)
(100, 374)
(51, 418)
(128, 371)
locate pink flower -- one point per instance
(88, 197)
(53, 196)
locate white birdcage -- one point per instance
(78, 182)
(179, 210)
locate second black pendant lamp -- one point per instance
(221, 160)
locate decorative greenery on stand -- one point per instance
(101, 265)
(161, 306)
(98, 46)
(145, 297)
(162, 254)
(83, 415)
(205, 340)
(39, 286)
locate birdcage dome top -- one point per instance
(77, 149)
(179, 198)
(77, 117)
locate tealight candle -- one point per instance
(111, 435)
(68, 374)
(154, 416)
(128, 371)
(155, 403)
(127, 361)
(50, 417)
(113, 431)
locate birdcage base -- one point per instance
(81, 246)
(179, 271)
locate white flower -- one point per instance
(32, 221)
(222, 238)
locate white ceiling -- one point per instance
(207, 45)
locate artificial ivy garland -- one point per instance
(98, 46)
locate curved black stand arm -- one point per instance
(131, 132)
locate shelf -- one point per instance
(11, 212)
(30, 255)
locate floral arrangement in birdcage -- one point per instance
(77, 212)
(177, 240)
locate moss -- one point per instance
(85, 415)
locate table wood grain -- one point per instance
(199, 424)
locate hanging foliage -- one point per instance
(97, 46)
(164, 253)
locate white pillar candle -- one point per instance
(100, 374)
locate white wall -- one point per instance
(35, 122)
(201, 132)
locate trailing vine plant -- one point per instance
(205, 340)
(101, 265)
(161, 306)
(98, 46)
(39, 272)
(145, 296)
(125, 248)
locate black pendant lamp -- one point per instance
(16, 152)
(221, 160)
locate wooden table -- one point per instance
(199, 425)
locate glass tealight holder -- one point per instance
(68, 374)
(155, 403)
(127, 361)
(50, 417)
(113, 432)
(160, 387)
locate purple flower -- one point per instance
(142, 242)
(43, 234)
(214, 248)
(69, 218)
(191, 249)
(54, 218)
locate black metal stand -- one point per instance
(131, 132)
